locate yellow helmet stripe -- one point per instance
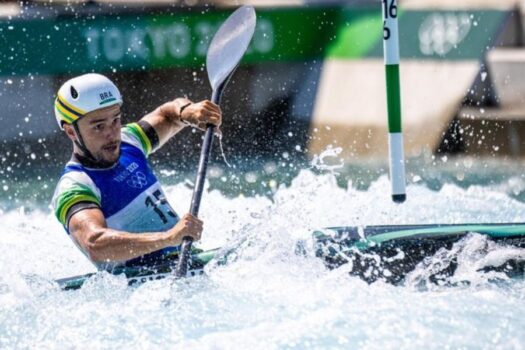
(69, 106)
(65, 114)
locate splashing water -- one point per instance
(221, 147)
(268, 297)
(330, 154)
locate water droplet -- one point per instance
(483, 76)
(250, 177)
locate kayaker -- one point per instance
(108, 198)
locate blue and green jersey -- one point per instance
(128, 193)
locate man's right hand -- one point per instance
(200, 114)
(188, 226)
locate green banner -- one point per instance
(131, 42)
(449, 35)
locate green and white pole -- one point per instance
(393, 97)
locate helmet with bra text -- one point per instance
(82, 95)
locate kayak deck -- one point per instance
(141, 274)
(386, 252)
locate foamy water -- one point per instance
(268, 297)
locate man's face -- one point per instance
(100, 131)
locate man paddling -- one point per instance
(108, 198)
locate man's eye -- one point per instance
(97, 127)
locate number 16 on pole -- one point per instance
(393, 97)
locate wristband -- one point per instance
(181, 110)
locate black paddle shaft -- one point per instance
(185, 248)
(224, 54)
(204, 158)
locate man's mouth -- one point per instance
(111, 147)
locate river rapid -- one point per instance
(269, 297)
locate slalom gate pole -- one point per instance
(393, 95)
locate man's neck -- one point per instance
(90, 163)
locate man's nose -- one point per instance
(113, 131)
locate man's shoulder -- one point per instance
(141, 136)
(74, 173)
(74, 186)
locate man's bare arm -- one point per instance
(167, 120)
(102, 244)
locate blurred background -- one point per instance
(312, 80)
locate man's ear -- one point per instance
(70, 132)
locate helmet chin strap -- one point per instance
(80, 144)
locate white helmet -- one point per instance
(84, 94)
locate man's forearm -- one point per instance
(89, 230)
(111, 245)
(166, 119)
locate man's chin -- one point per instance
(108, 160)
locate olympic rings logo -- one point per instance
(137, 180)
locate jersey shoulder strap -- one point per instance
(74, 187)
(142, 136)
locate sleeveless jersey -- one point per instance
(128, 194)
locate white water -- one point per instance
(269, 297)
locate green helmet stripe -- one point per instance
(69, 110)
(64, 116)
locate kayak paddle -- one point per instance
(226, 50)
